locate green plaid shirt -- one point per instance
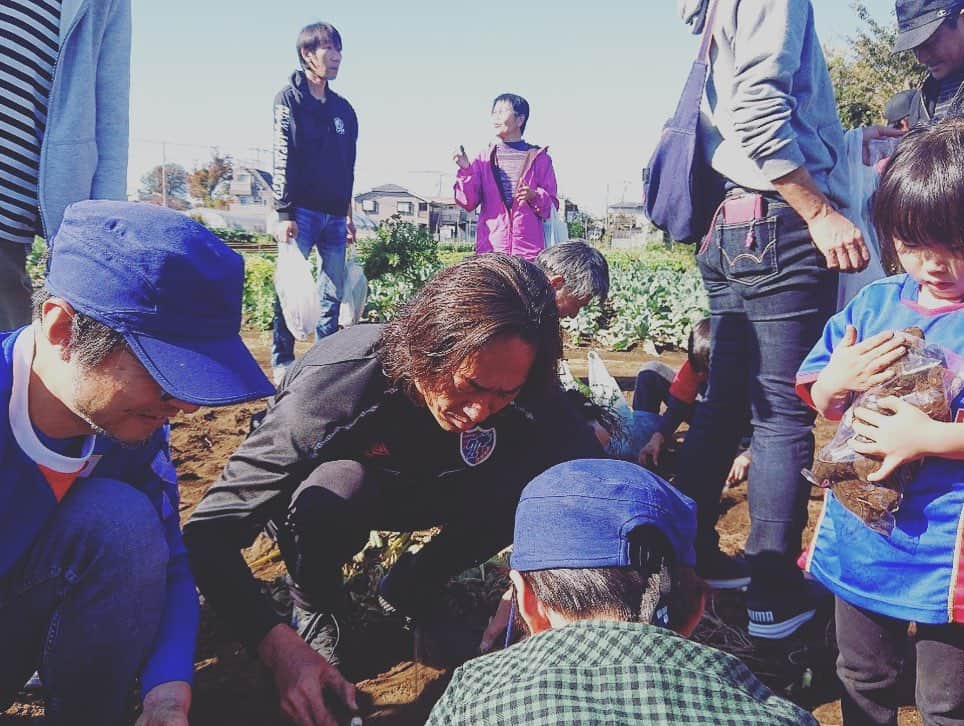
(607, 672)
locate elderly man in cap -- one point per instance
(934, 31)
(601, 570)
(138, 320)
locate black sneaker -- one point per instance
(319, 630)
(780, 616)
(723, 572)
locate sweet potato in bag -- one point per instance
(923, 378)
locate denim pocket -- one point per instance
(748, 252)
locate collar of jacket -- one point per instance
(299, 84)
(530, 159)
(70, 9)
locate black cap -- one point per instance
(898, 106)
(917, 20)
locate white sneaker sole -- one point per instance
(783, 629)
(738, 583)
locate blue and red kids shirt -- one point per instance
(917, 573)
(35, 478)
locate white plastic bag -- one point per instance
(566, 378)
(554, 229)
(605, 390)
(355, 292)
(297, 291)
(864, 181)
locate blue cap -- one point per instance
(169, 286)
(579, 514)
(918, 20)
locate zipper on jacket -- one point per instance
(509, 207)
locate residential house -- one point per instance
(626, 216)
(448, 222)
(385, 201)
(250, 186)
(441, 217)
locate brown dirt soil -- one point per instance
(399, 675)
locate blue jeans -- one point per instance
(329, 235)
(84, 604)
(770, 294)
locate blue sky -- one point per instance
(601, 77)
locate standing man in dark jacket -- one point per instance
(315, 134)
(438, 418)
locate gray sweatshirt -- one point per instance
(769, 105)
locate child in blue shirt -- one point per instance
(882, 583)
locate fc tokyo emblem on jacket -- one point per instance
(477, 445)
(339, 125)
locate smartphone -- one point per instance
(462, 149)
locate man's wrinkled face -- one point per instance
(484, 384)
(943, 52)
(120, 399)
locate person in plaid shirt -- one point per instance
(602, 573)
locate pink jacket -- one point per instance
(516, 230)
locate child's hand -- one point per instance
(898, 438)
(857, 366)
(739, 469)
(649, 454)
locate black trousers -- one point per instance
(871, 659)
(332, 513)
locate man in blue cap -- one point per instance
(601, 566)
(138, 320)
(933, 30)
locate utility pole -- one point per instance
(163, 173)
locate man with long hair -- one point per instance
(438, 418)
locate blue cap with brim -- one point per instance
(169, 286)
(918, 20)
(579, 514)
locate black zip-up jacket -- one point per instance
(314, 150)
(335, 403)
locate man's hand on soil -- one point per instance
(166, 704)
(303, 678)
(840, 241)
